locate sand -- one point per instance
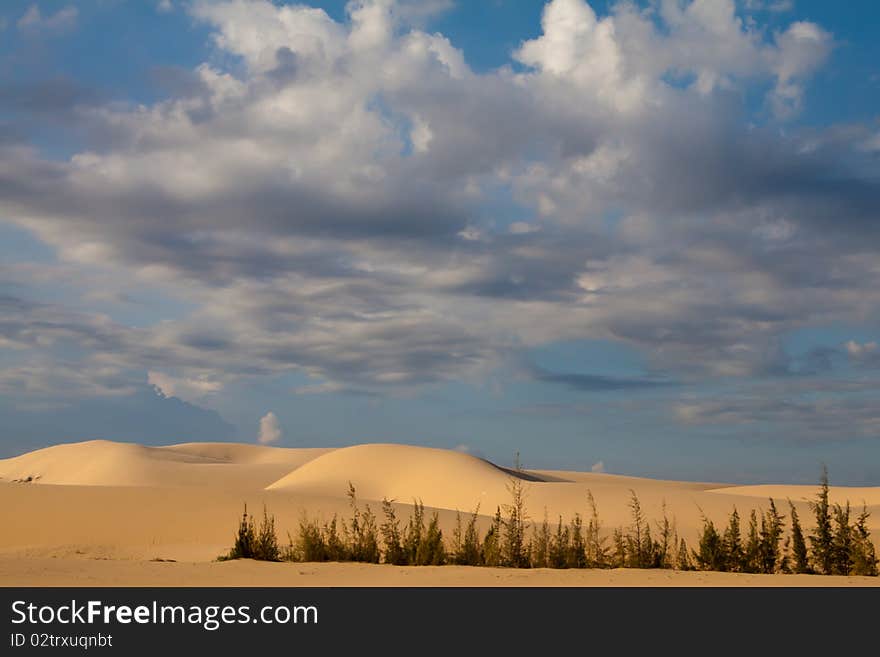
(101, 512)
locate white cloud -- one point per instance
(34, 21)
(270, 429)
(164, 6)
(186, 388)
(599, 467)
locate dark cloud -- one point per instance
(144, 417)
(597, 382)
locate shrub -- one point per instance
(431, 551)
(361, 535)
(492, 546)
(734, 555)
(391, 536)
(576, 556)
(466, 542)
(243, 548)
(251, 543)
(597, 551)
(514, 549)
(821, 539)
(864, 556)
(710, 555)
(799, 560)
(540, 549)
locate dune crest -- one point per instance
(855, 495)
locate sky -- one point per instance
(634, 237)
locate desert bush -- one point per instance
(431, 550)
(822, 539)
(245, 538)
(734, 554)
(771, 557)
(799, 561)
(255, 543)
(863, 556)
(266, 545)
(576, 554)
(514, 548)
(362, 541)
(391, 536)
(597, 551)
(467, 549)
(710, 552)
(492, 547)
(540, 547)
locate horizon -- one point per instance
(638, 238)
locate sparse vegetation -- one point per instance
(837, 544)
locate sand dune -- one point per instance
(106, 463)
(440, 478)
(105, 500)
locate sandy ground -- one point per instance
(91, 572)
(101, 512)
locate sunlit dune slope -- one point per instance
(440, 478)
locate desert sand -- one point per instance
(104, 513)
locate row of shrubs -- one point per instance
(838, 545)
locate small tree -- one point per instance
(772, 529)
(799, 561)
(431, 551)
(266, 543)
(471, 554)
(752, 561)
(619, 549)
(576, 556)
(597, 551)
(864, 557)
(734, 554)
(245, 538)
(822, 539)
(415, 528)
(361, 534)
(514, 544)
(541, 544)
(683, 561)
(492, 544)
(710, 555)
(841, 541)
(309, 544)
(335, 546)
(391, 536)
(559, 546)
(663, 556)
(635, 543)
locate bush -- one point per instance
(391, 536)
(467, 549)
(710, 554)
(251, 543)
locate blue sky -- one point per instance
(636, 236)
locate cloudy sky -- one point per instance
(642, 234)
